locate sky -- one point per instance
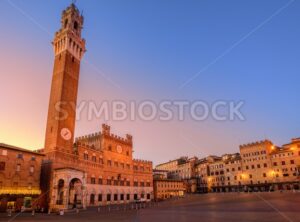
(159, 50)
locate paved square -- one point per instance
(207, 207)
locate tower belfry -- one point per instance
(69, 48)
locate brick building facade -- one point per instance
(20, 172)
(96, 169)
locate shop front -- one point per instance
(18, 199)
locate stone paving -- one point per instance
(207, 207)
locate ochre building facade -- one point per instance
(259, 166)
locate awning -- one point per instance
(14, 191)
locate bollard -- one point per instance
(132, 207)
(33, 212)
(77, 210)
(136, 206)
(108, 208)
(98, 209)
(49, 211)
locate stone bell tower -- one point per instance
(69, 48)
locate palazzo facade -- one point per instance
(96, 169)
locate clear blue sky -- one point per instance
(149, 49)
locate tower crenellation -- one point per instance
(69, 36)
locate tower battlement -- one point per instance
(262, 142)
(94, 138)
(106, 132)
(68, 38)
(139, 161)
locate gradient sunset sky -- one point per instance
(139, 50)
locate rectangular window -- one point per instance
(94, 159)
(128, 166)
(93, 180)
(101, 160)
(115, 182)
(283, 162)
(115, 197)
(109, 162)
(127, 183)
(4, 152)
(135, 183)
(2, 166)
(264, 175)
(99, 197)
(122, 197)
(258, 165)
(128, 196)
(116, 164)
(292, 162)
(20, 156)
(31, 169)
(265, 165)
(275, 164)
(108, 182)
(33, 158)
(100, 181)
(18, 167)
(108, 197)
